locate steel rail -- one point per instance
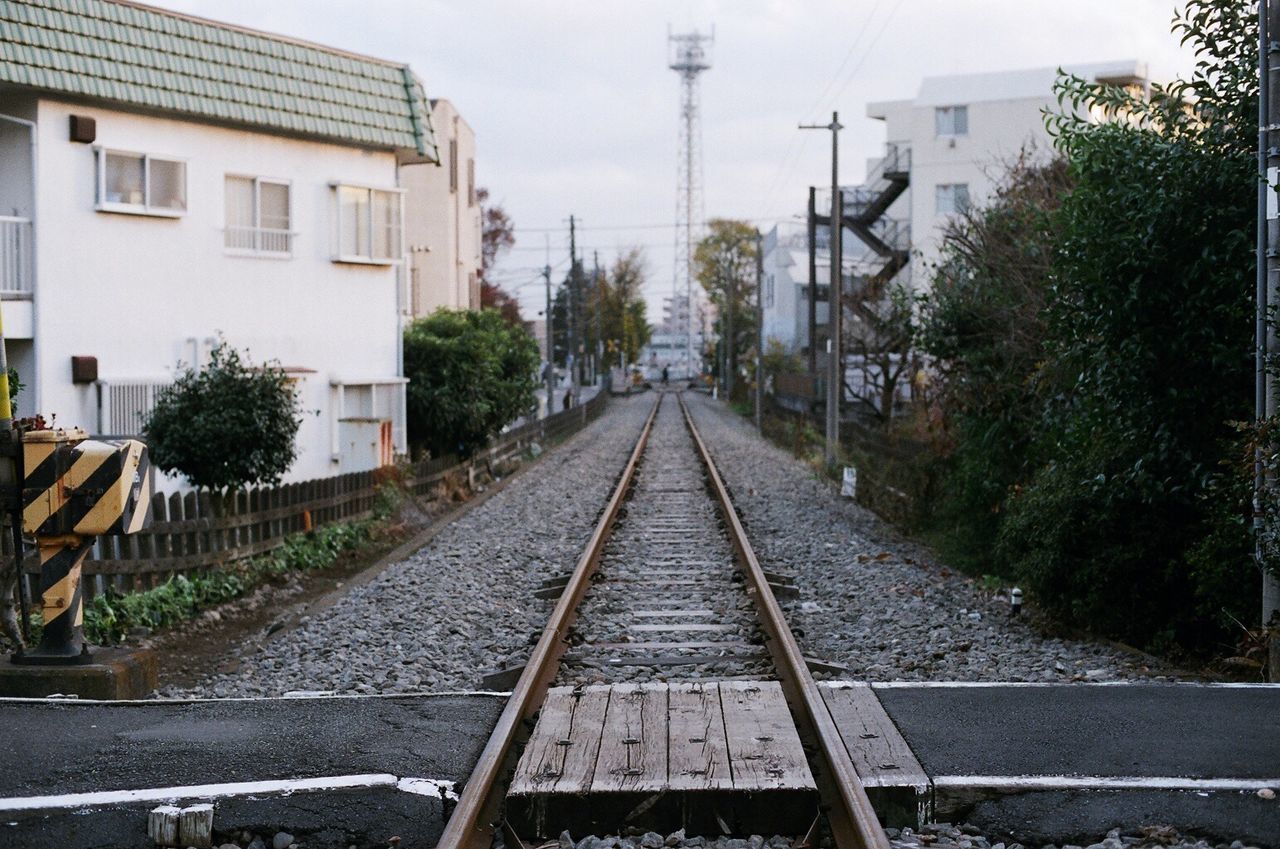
(853, 821)
(474, 817)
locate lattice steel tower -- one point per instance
(689, 56)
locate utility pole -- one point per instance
(813, 280)
(759, 333)
(575, 314)
(731, 343)
(1268, 294)
(835, 361)
(599, 287)
(551, 346)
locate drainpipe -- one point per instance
(33, 382)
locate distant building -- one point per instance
(443, 229)
(945, 149)
(670, 343)
(949, 144)
(167, 179)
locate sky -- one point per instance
(576, 112)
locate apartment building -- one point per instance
(444, 229)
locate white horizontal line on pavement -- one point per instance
(418, 786)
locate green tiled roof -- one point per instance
(144, 57)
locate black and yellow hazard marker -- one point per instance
(73, 489)
(61, 601)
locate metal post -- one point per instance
(731, 343)
(551, 347)
(599, 289)
(759, 333)
(573, 310)
(813, 281)
(1269, 254)
(835, 363)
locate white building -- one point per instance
(953, 140)
(443, 225)
(167, 179)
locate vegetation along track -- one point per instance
(675, 549)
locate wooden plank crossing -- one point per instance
(726, 736)
(896, 783)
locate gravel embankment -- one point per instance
(873, 601)
(934, 836)
(462, 604)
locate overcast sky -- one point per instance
(576, 112)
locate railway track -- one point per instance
(667, 587)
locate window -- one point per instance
(952, 198)
(471, 182)
(768, 291)
(951, 120)
(453, 165)
(368, 225)
(141, 184)
(258, 216)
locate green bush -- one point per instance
(1095, 349)
(108, 618)
(227, 425)
(470, 374)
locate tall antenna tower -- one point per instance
(688, 57)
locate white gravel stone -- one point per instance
(870, 599)
(463, 604)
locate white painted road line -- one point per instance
(1011, 685)
(1090, 782)
(418, 786)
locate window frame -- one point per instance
(101, 204)
(954, 110)
(257, 229)
(336, 188)
(955, 208)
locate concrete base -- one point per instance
(113, 674)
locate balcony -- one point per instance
(15, 257)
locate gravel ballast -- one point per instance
(873, 601)
(463, 604)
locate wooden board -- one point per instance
(697, 747)
(561, 754)
(880, 755)
(764, 748)
(633, 746)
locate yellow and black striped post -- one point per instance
(61, 600)
(73, 490)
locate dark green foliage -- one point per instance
(229, 424)
(470, 374)
(109, 618)
(1095, 355)
(983, 325)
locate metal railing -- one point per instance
(15, 255)
(259, 239)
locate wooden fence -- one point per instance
(199, 531)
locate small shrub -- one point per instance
(227, 425)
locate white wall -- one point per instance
(443, 223)
(1006, 115)
(132, 290)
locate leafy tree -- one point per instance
(983, 328)
(497, 236)
(227, 425)
(620, 300)
(1133, 521)
(470, 374)
(725, 265)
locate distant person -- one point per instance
(568, 398)
(666, 371)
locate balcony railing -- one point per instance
(15, 255)
(264, 240)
